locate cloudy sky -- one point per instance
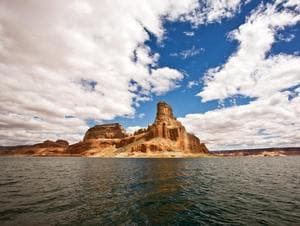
(229, 68)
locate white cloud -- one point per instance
(83, 58)
(249, 72)
(81, 7)
(221, 9)
(184, 54)
(214, 11)
(286, 38)
(132, 129)
(241, 126)
(141, 115)
(164, 79)
(189, 33)
(193, 83)
(248, 68)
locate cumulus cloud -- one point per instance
(268, 122)
(248, 68)
(66, 62)
(251, 72)
(164, 79)
(214, 11)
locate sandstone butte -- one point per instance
(166, 137)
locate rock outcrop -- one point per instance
(107, 131)
(51, 144)
(166, 135)
(46, 148)
(167, 128)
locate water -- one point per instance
(94, 191)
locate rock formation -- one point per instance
(167, 127)
(108, 131)
(47, 148)
(165, 135)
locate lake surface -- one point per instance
(204, 191)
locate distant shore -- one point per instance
(263, 152)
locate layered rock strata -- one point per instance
(107, 131)
(166, 134)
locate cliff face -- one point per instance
(172, 131)
(108, 131)
(165, 135)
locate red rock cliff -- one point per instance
(167, 127)
(166, 134)
(106, 131)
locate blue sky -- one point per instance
(229, 69)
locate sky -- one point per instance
(230, 69)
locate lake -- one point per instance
(203, 191)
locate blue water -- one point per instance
(95, 191)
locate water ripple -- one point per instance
(208, 191)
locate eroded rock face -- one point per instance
(164, 113)
(167, 127)
(106, 131)
(165, 135)
(52, 144)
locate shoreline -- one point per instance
(149, 157)
(113, 153)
